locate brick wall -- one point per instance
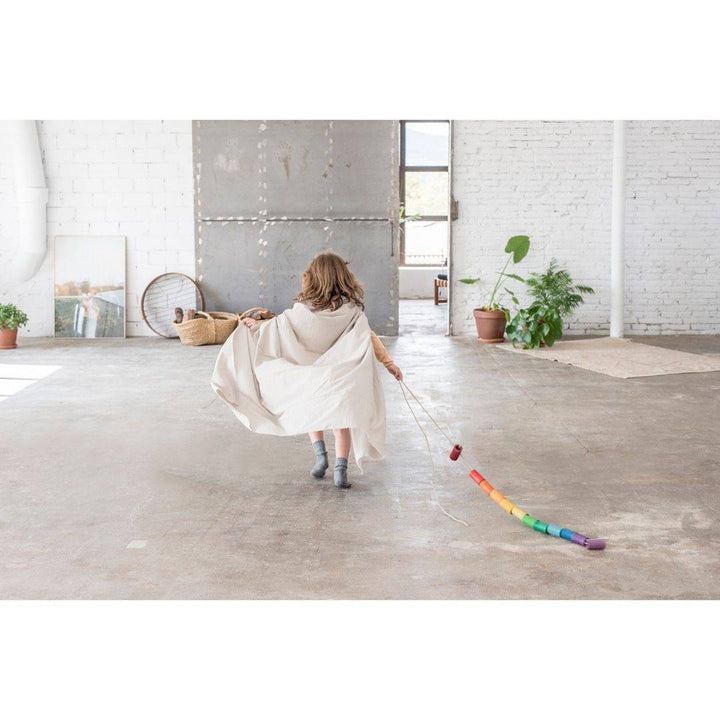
(548, 180)
(127, 177)
(672, 227)
(552, 181)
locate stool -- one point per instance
(438, 284)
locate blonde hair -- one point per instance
(327, 283)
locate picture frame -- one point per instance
(90, 283)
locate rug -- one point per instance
(621, 358)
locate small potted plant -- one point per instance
(491, 318)
(556, 297)
(11, 318)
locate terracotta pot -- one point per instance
(8, 338)
(490, 325)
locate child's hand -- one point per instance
(250, 322)
(395, 371)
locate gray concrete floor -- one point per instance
(422, 317)
(120, 478)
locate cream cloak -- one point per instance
(306, 370)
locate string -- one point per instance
(434, 422)
(430, 455)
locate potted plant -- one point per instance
(556, 297)
(491, 318)
(11, 318)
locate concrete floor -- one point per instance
(422, 317)
(120, 478)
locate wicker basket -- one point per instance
(212, 328)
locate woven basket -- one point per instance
(212, 328)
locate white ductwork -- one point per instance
(32, 198)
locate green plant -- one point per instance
(535, 326)
(11, 317)
(555, 287)
(556, 297)
(517, 248)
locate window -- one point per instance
(424, 191)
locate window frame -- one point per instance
(404, 169)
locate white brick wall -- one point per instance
(548, 180)
(552, 181)
(672, 227)
(126, 177)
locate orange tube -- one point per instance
(497, 496)
(485, 486)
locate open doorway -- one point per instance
(424, 213)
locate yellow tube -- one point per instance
(506, 505)
(519, 513)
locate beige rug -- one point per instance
(622, 358)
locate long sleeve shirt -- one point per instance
(381, 352)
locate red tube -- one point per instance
(455, 452)
(477, 477)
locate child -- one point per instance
(312, 368)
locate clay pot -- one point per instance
(490, 325)
(8, 338)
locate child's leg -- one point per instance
(342, 450)
(321, 465)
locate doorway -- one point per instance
(424, 226)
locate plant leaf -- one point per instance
(514, 277)
(469, 281)
(518, 245)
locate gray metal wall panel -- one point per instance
(235, 278)
(298, 168)
(295, 169)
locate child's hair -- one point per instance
(327, 283)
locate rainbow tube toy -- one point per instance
(524, 517)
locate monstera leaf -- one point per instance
(518, 245)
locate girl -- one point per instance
(311, 369)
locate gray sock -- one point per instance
(341, 480)
(321, 464)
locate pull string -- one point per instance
(430, 455)
(462, 458)
(415, 398)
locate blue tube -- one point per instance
(553, 530)
(566, 534)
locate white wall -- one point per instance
(552, 181)
(672, 227)
(548, 180)
(419, 282)
(128, 177)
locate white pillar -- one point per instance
(617, 233)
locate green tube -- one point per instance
(540, 526)
(529, 520)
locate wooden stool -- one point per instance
(438, 284)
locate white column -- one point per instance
(617, 233)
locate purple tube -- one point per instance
(578, 539)
(594, 543)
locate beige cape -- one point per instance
(306, 370)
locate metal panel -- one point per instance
(345, 171)
(309, 168)
(244, 264)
